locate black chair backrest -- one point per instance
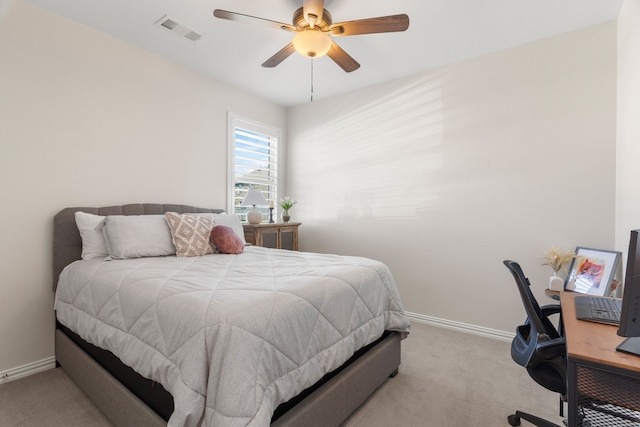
(537, 344)
(540, 323)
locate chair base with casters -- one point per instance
(514, 420)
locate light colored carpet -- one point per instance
(454, 379)
(47, 399)
(447, 379)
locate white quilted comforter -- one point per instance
(231, 336)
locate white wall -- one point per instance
(440, 175)
(444, 174)
(87, 120)
(628, 144)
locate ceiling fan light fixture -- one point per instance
(313, 27)
(312, 43)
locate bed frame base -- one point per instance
(334, 401)
(116, 402)
(329, 405)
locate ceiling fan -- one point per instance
(313, 26)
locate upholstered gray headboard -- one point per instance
(67, 245)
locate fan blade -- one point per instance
(342, 58)
(313, 8)
(382, 24)
(239, 17)
(280, 56)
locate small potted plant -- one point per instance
(286, 203)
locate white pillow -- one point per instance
(231, 221)
(136, 236)
(93, 243)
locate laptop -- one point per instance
(598, 309)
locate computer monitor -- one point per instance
(630, 316)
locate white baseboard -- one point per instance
(28, 369)
(462, 327)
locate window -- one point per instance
(253, 163)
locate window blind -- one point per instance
(254, 163)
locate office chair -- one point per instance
(538, 347)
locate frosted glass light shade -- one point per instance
(312, 43)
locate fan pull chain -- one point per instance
(312, 79)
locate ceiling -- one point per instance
(440, 32)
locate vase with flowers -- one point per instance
(556, 258)
(286, 203)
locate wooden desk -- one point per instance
(597, 373)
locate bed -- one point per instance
(246, 364)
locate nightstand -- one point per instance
(277, 235)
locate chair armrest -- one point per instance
(550, 309)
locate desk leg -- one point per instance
(572, 394)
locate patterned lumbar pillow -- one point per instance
(226, 240)
(190, 233)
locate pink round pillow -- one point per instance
(226, 240)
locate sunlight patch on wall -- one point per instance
(376, 160)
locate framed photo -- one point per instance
(591, 271)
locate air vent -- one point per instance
(177, 28)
